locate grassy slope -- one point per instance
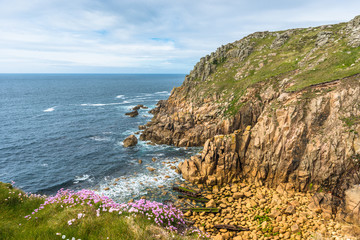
(298, 59)
(54, 219)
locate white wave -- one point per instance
(44, 164)
(81, 178)
(124, 102)
(100, 104)
(120, 96)
(163, 93)
(135, 100)
(123, 188)
(49, 109)
(100, 138)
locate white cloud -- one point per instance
(142, 35)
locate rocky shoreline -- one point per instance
(273, 109)
(267, 213)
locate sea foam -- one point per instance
(100, 104)
(49, 109)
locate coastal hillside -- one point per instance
(274, 109)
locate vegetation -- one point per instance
(84, 215)
(350, 121)
(307, 57)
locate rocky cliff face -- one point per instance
(272, 108)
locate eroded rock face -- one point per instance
(352, 204)
(307, 138)
(301, 141)
(130, 141)
(305, 143)
(353, 31)
(177, 122)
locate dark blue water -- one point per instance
(67, 131)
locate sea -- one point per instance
(67, 131)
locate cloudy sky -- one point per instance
(142, 36)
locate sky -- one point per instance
(143, 36)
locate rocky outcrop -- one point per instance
(130, 141)
(309, 144)
(137, 107)
(272, 108)
(353, 32)
(133, 113)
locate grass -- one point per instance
(298, 59)
(350, 121)
(58, 219)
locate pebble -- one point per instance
(266, 212)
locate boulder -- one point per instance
(130, 141)
(137, 107)
(132, 114)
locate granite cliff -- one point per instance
(274, 108)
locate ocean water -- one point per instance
(66, 131)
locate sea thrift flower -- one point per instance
(163, 215)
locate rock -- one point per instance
(140, 161)
(150, 169)
(130, 141)
(275, 213)
(187, 214)
(248, 194)
(323, 38)
(218, 237)
(238, 195)
(222, 205)
(352, 204)
(353, 32)
(137, 107)
(132, 114)
(153, 159)
(142, 127)
(280, 40)
(290, 210)
(295, 228)
(211, 204)
(106, 189)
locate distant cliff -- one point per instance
(273, 108)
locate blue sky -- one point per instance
(142, 36)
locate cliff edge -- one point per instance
(274, 108)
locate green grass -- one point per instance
(298, 59)
(351, 121)
(54, 219)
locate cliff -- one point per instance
(274, 108)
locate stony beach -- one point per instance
(267, 214)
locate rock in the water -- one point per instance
(137, 107)
(150, 169)
(132, 114)
(130, 141)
